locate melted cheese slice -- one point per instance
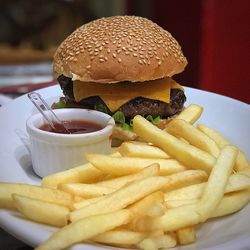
(115, 95)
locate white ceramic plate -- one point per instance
(226, 115)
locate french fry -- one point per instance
(45, 194)
(189, 215)
(84, 174)
(190, 114)
(122, 197)
(217, 182)
(41, 211)
(158, 242)
(78, 198)
(231, 203)
(131, 149)
(118, 182)
(187, 154)
(194, 136)
(214, 135)
(130, 165)
(173, 219)
(186, 235)
(241, 161)
(122, 237)
(141, 207)
(185, 178)
(135, 191)
(85, 229)
(85, 190)
(235, 182)
(156, 209)
(245, 171)
(189, 192)
(85, 202)
(178, 203)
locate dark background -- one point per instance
(214, 34)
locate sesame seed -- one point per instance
(124, 35)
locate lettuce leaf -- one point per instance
(101, 108)
(155, 120)
(59, 105)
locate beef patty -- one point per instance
(137, 106)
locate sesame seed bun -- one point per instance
(119, 48)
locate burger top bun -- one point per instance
(119, 48)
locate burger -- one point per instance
(123, 66)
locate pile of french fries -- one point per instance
(147, 195)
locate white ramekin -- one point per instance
(53, 152)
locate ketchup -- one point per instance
(74, 127)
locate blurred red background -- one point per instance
(214, 35)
